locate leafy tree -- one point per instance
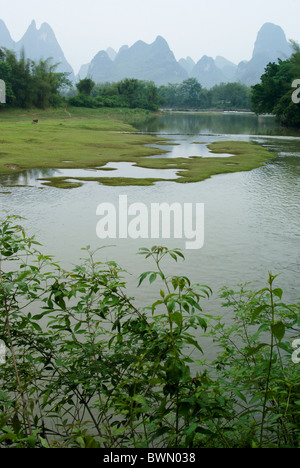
(85, 86)
(275, 82)
(129, 88)
(274, 93)
(190, 94)
(231, 96)
(130, 93)
(29, 83)
(20, 79)
(169, 94)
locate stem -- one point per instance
(270, 361)
(17, 372)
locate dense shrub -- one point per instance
(129, 93)
(85, 367)
(31, 84)
(274, 93)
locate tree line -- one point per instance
(38, 84)
(131, 93)
(136, 93)
(191, 94)
(29, 83)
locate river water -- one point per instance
(251, 219)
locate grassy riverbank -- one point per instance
(77, 138)
(63, 139)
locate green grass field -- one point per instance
(80, 138)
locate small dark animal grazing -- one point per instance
(35, 121)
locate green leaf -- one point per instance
(257, 311)
(171, 305)
(279, 330)
(173, 256)
(23, 275)
(191, 429)
(36, 326)
(255, 350)
(202, 322)
(77, 326)
(141, 400)
(43, 442)
(143, 276)
(152, 277)
(192, 302)
(193, 342)
(155, 304)
(239, 394)
(278, 292)
(179, 253)
(176, 317)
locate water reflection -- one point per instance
(186, 146)
(218, 123)
(25, 178)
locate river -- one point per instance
(251, 219)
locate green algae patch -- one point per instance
(245, 157)
(61, 183)
(83, 141)
(90, 139)
(239, 148)
(74, 182)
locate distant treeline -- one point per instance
(131, 93)
(30, 84)
(190, 94)
(187, 95)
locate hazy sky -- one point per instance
(191, 27)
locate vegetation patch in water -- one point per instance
(94, 139)
(245, 157)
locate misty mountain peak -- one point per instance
(111, 53)
(271, 40)
(187, 63)
(40, 44)
(150, 62)
(207, 73)
(5, 37)
(270, 45)
(161, 41)
(46, 33)
(32, 25)
(45, 27)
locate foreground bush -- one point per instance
(84, 367)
